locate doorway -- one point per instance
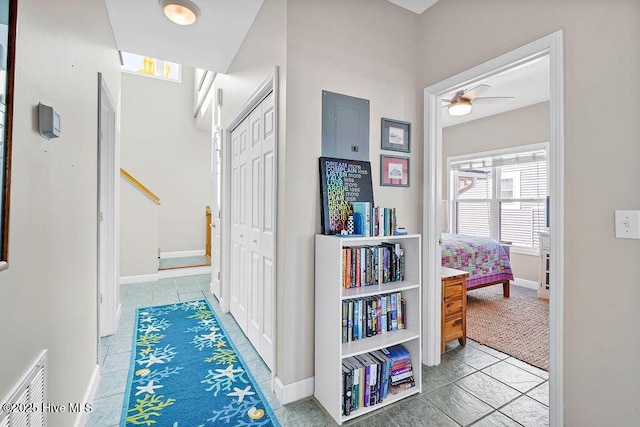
(249, 218)
(107, 289)
(552, 46)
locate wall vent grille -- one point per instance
(28, 397)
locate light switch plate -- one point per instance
(627, 224)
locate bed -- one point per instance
(486, 260)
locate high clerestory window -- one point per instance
(500, 194)
(151, 67)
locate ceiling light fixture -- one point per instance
(182, 12)
(460, 107)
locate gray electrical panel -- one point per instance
(345, 126)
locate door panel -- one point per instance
(266, 339)
(253, 226)
(256, 194)
(255, 308)
(239, 261)
(269, 195)
(255, 286)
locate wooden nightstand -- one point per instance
(454, 306)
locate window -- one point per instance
(501, 194)
(151, 67)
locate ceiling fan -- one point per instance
(462, 101)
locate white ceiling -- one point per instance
(139, 26)
(529, 84)
(416, 6)
(212, 42)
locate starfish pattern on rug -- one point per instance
(153, 360)
(150, 328)
(149, 388)
(228, 372)
(241, 393)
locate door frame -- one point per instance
(216, 187)
(269, 84)
(551, 45)
(107, 295)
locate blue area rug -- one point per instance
(186, 372)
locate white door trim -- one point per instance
(551, 45)
(215, 244)
(269, 84)
(106, 211)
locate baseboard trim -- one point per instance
(529, 284)
(295, 391)
(143, 278)
(88, 399)
(187, 271)
(182, 254)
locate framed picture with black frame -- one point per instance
(394, 171)
(342, 182)
(395, 135)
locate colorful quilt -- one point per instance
(485, 259)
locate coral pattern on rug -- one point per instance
(185, 371)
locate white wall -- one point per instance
(49, 291)
(361, 48)
(162, 149)
(263, 48)
(367, 49)
(139, 224)
(601, 280)
(528, 125)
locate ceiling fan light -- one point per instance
(460, 108)
(181, 12)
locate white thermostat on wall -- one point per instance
(48, 121)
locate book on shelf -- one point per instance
(371, 265)
(397, 353)
(399, 315)
(357, 376)
(347, 390)
(366, 393)
(383, 221)
(355, 334)
(401, 368)
(383, 313)
(374, 378)
(402, 374)
(345, 321)
(393, 299)
(370, 316)
(362, 211)
(384, 364)
(369, 378)
(395, 389)
(350, 322)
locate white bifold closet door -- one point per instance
(253, 225)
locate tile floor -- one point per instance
(474, 385)
(165, 263)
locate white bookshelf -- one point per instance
(329, 349)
